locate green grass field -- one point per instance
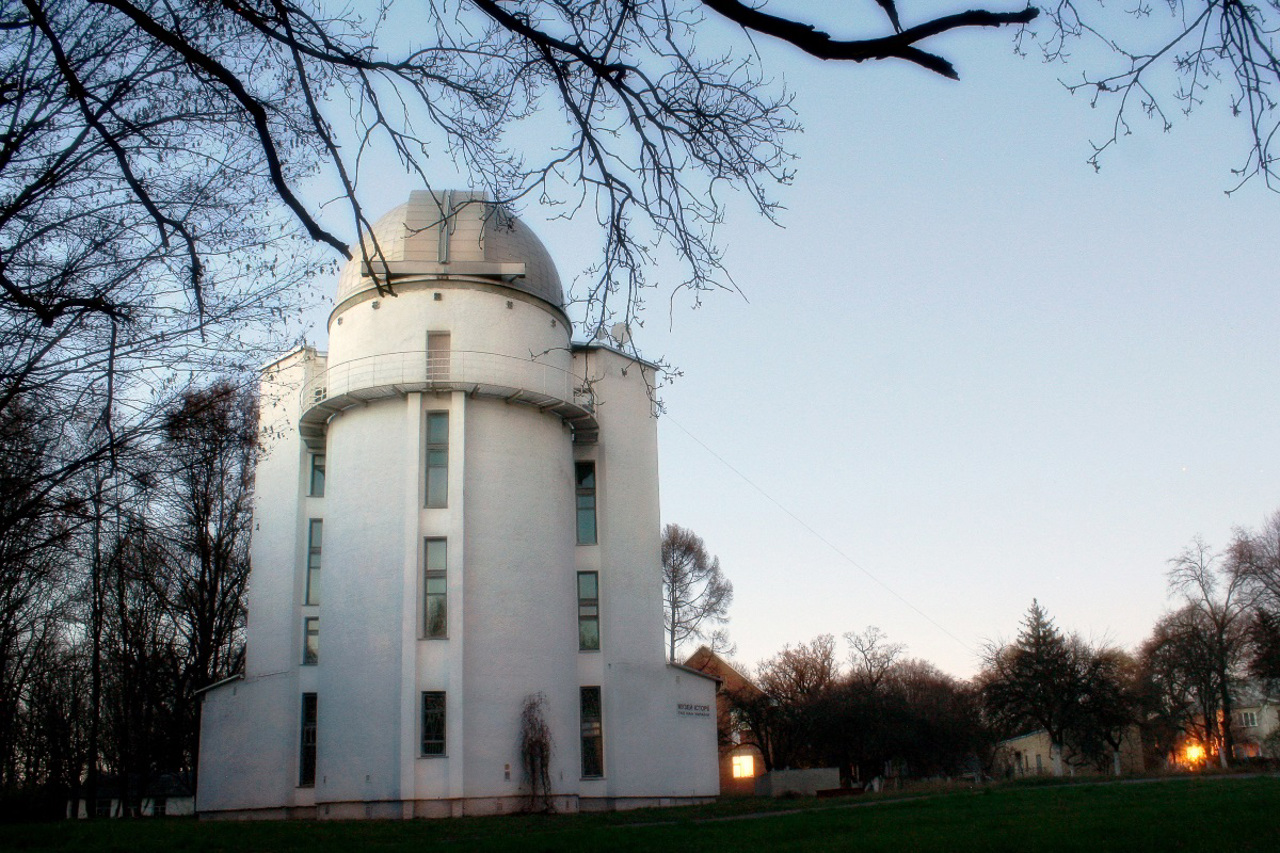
(1179, 814)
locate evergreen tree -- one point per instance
(1035, 681)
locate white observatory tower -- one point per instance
(456, 513)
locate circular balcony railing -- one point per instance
(482, 374)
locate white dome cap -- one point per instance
(482, 241)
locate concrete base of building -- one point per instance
(622, 804)
(280, 813)
(461, 807)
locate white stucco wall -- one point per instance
(521, 620)
(281, 509)
(361, 609)
(475, 314)
(247, 759)
(250, 729)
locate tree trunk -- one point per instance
(95, 656)
(1228, 744)
(1055, 751)
(1115, 760)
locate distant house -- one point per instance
(1255, 731)
(1030, 755)
(1255, 724)
(740, 758)
(165, 795)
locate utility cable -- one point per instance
(824, 540)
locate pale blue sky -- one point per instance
(979, 369)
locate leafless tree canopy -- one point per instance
(1254, 558)
(695, 593)
(143, 136)
(1171, 56)
(892, 713)
(871, 655)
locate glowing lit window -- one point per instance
(744, 766)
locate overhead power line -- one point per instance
(824, 540)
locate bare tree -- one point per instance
(142, 726)
(36, 583)
(1254, 556)
(203, 505)
(695, 593)
(788, 714)
(906, 713)
(800, 672)
(1180, 684)
(1216, 605)
(1160, 59)
(872, 656)
(167, 137)
(139, 245)
(1109, 705)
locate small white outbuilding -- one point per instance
(456, 525)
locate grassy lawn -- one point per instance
(1174, 815)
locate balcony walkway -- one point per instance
(480, 374)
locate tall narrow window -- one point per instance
(433, 723)
(592, 732)
(437, 459)
(438, 356)
(315, 533)
(588, 611)
(585, 475)
(317, 476)
(311, 641)
(307, 758)
(435, 618)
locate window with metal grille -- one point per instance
(433, 723)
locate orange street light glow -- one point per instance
(1194, 753)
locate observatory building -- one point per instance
(456, 533)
